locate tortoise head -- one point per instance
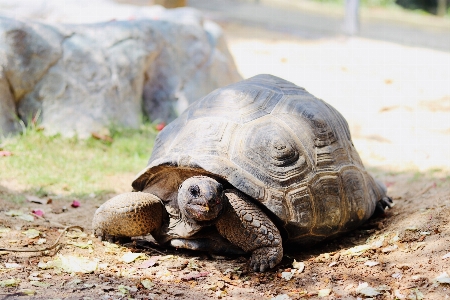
(201, 198)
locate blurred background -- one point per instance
(384, 64)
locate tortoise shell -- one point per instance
(277, 143)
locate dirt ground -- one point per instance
(397, 102)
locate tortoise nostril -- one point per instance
(194, 190)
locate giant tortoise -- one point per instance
(251, 167)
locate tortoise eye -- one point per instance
(194, 191)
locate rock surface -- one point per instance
(82, 78)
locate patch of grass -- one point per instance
(57, 165)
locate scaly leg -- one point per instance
(246, 226)
(127, 215)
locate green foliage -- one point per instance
(53, 164)
(420, 6)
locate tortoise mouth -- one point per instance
(202, 210)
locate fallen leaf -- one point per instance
(130, 257)
(9, 282)
(75, 264)
(32, 233)
(14, 213)
(443, 278)
(281, 297)
(149, 262)
(377, 243)
(288, 275)
(300, 266)
(357, 250)
(147, 283)
(41, 241)
(364, 289)
(220, 294)
(324, 293)
(40, 284)
(4, 229)
(79, 234)
(126, 289)
(371, 263)
(123, 289)
(27, 292)
(50, 264)
(4, 153)
(38, 212)
(389, 248)
(26, 217)
(75, 203)
(74, 282)
(102, 137)
(160, 126)
(38, 200)
(194, 275)
(416, 294)
(82, 245)
(12, 266)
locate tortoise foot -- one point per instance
(382, 204)
(265, 258)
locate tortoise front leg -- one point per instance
(246, 226)
(127, 215)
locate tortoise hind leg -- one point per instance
(382, 204)
(385, 201)
(127, 215)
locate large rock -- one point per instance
(81, 79)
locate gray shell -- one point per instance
(278, 144)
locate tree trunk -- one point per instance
(351, 22)
(442, 8)
(171, 3)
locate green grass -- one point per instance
(56, 165)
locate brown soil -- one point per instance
(399, 255)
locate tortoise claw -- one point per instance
(382, 204)
(265, 258)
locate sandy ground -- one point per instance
(397, 102)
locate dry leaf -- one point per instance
(300, 266)
(38, 212)
(194, 275)
(324, 293)
(9, 282)
(371, 263)
(149, 262)
(38, 200)
(147, 283)
(102, 137)
(130, 256)
(40, 284)
(4, 153)
(281, 297)
(389, 248)
(32, 233)
(12, 266)
(443, 278)
(366, 290)
(357, 250)
(75, 203)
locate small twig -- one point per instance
(47, 248)
(12, 295)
